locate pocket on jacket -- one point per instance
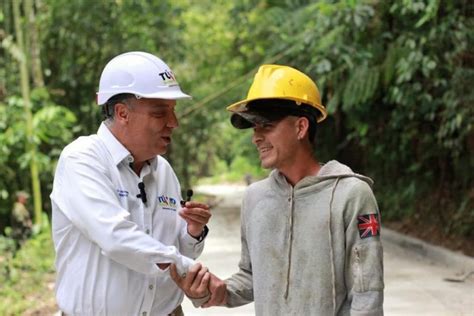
(368, 267)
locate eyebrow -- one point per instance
(160, 107)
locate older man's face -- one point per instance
(150, 126)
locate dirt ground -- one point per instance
(434, 235)
(43, 303)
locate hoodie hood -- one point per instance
(334, 169)
(331, 170)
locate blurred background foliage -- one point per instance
(394, 75)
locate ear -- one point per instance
(302, 127)
(122, 113)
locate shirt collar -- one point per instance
(154, 163)
(118, 151)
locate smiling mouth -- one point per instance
(264, 150)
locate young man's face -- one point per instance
(151, 123)
(276, 143)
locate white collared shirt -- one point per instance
(107, 240)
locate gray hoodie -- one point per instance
(311, 249)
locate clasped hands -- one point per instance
(201, 286)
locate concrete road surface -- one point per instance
(414, 285)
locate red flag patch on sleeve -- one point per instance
(368, 225)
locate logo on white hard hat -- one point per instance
(168, 78)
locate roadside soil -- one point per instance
(43, 303)
(434, 235)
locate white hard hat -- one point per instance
(139, 73)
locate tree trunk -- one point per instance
(25, 92)
(35, 50)
(6, 62)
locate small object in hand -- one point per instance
(189, 194)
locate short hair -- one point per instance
(108, 108)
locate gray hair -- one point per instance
(108, 109)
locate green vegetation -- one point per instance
(27, 275)
(394, 76)
(238, 171)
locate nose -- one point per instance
(257, 136)
(172, 120)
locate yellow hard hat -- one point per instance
(282, 82)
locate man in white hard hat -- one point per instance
(310, 231)
(118, 222)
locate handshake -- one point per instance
(203, 288)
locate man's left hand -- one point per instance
(197, 215)
(195, 283)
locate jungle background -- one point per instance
(396, 77)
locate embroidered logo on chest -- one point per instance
(122, 193)
(167, 203)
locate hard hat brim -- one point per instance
(243, 120)
(241, 106)
(261, 113)
(103, 97)
(171, 95)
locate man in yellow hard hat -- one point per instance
(310, 231)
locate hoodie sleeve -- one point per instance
(240, 285)
(364, 255)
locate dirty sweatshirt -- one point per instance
(311, 249)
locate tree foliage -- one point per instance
(393, 74)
